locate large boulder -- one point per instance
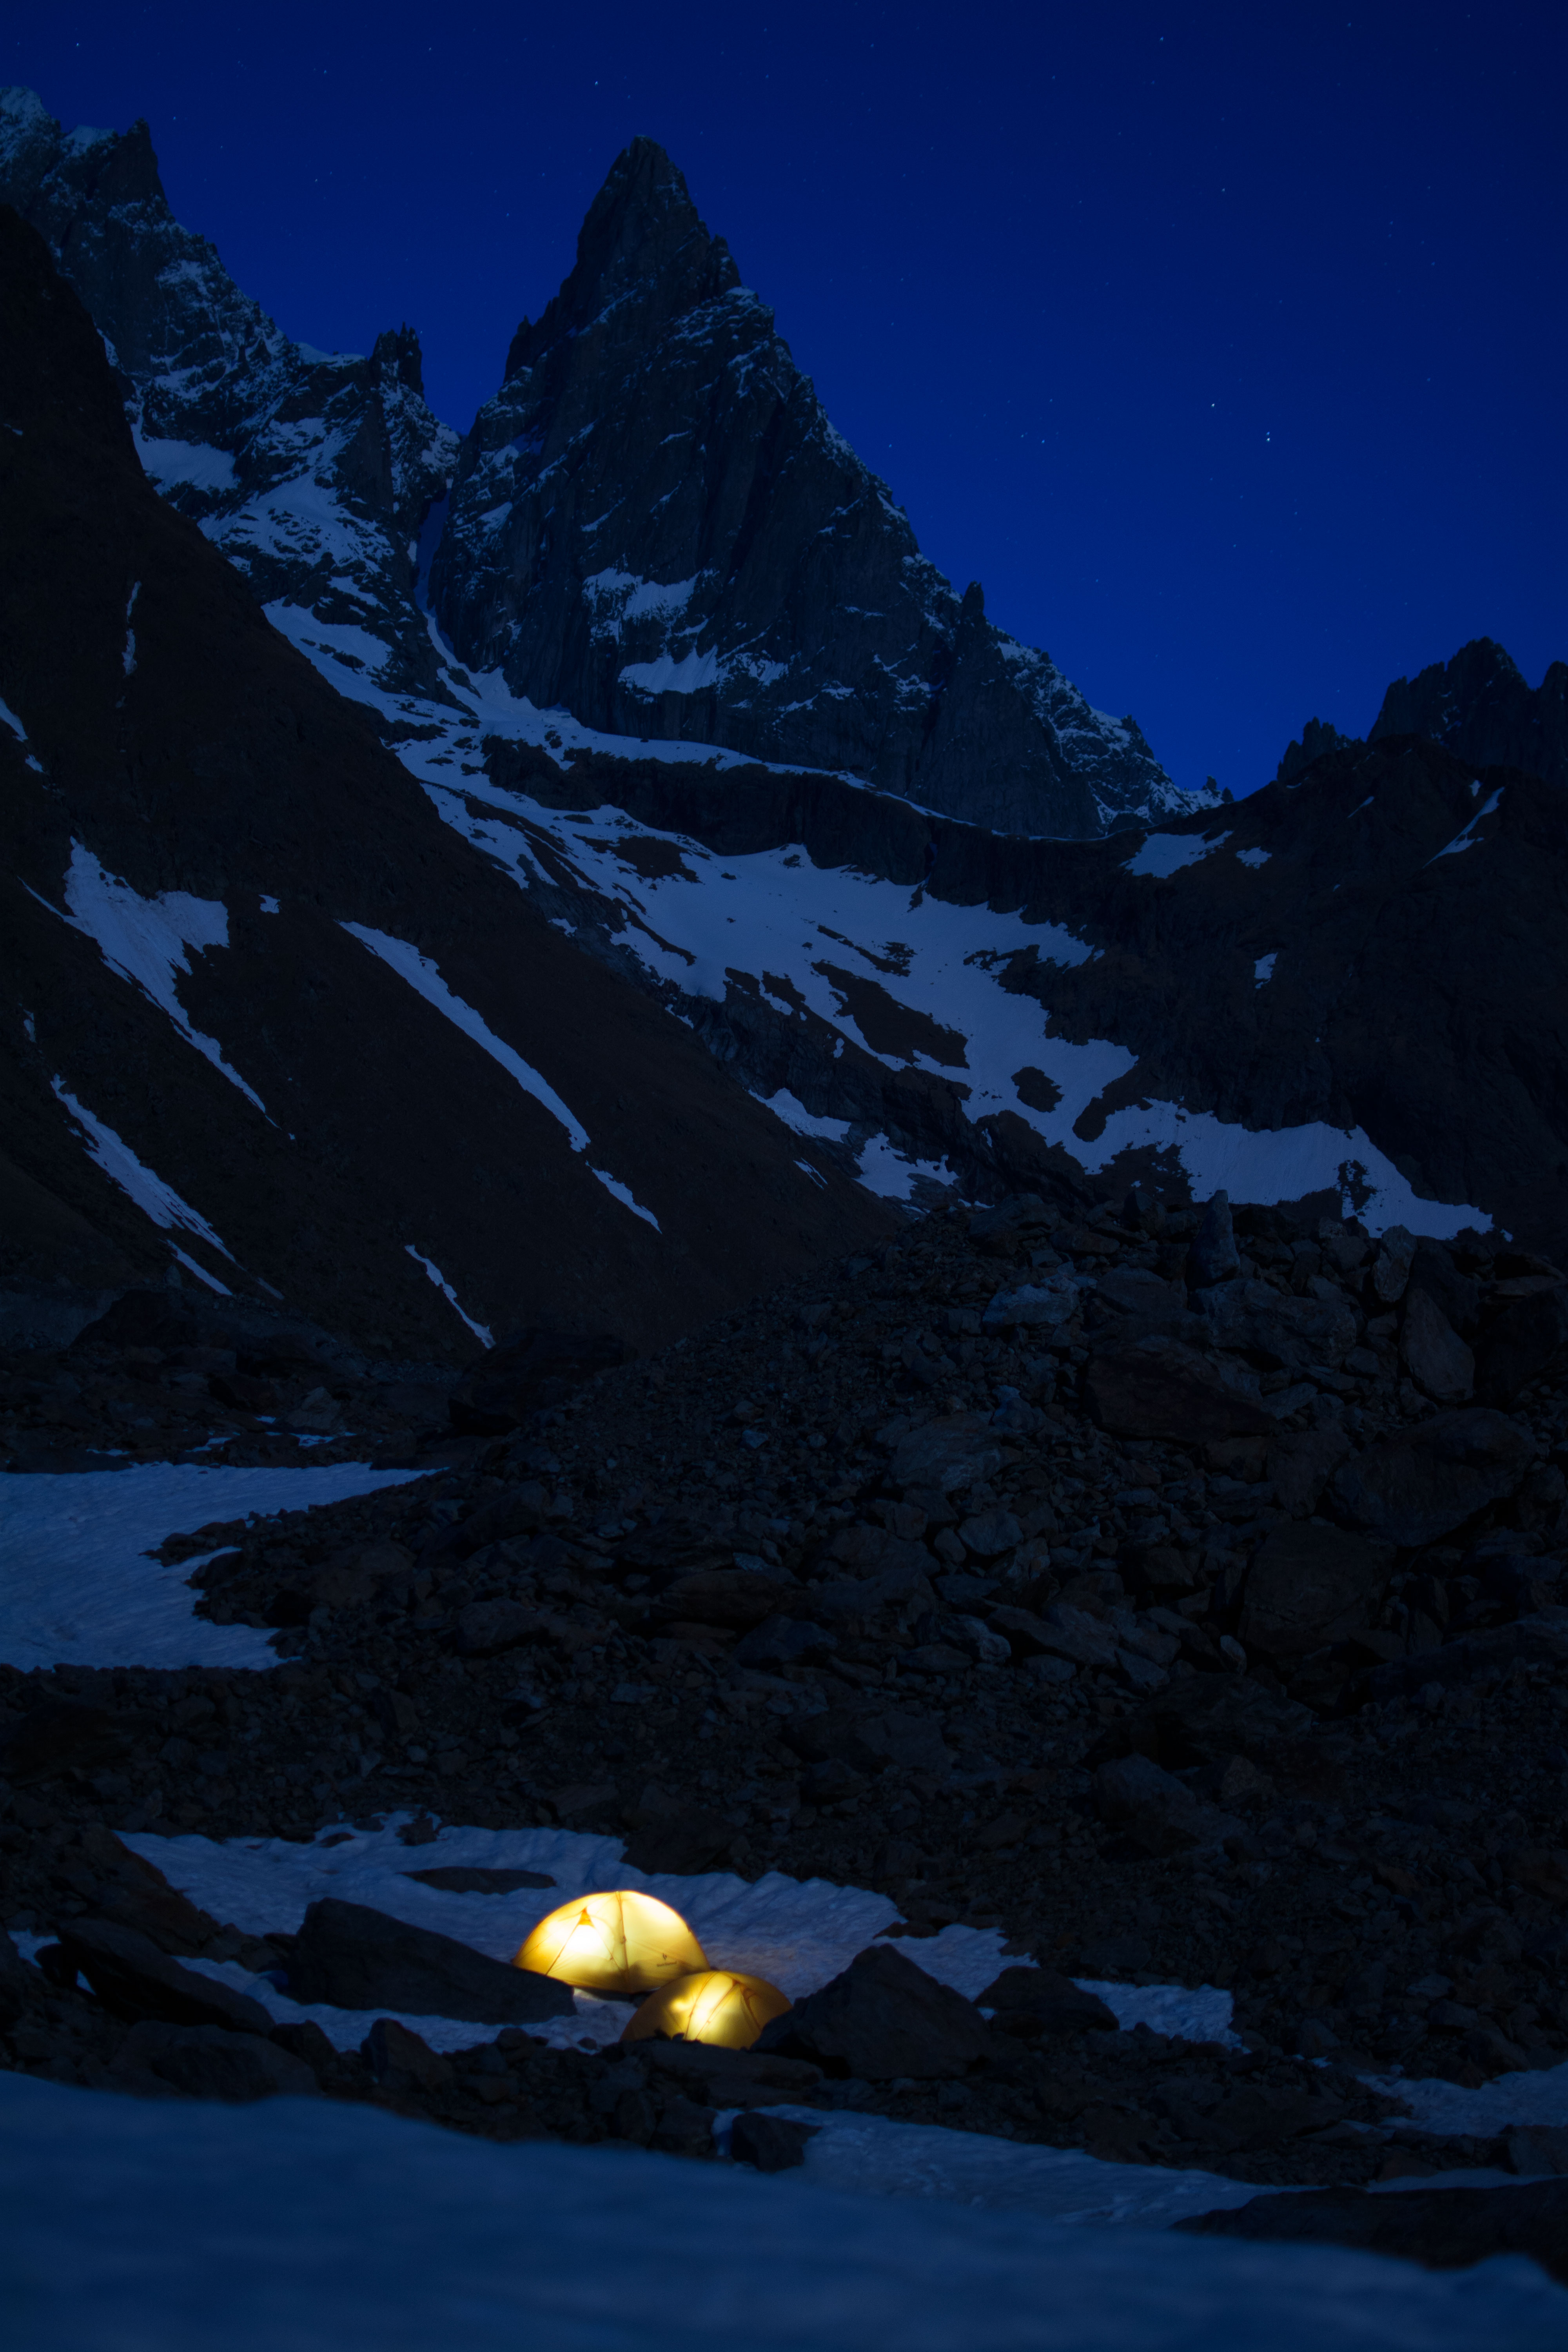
(401, 2060)
(734, 1598)
(207, 2061)
(263, 1340)
(715, 2077)
(1158, 1388)
(1456, 1295)
(1281, 1334)
(353, 1958)
(1203, 1718)
(1541, 1639)
(1214, 1256)
(1136, 1302)
(1307, 1585)
(1300, 1464)
(868, 1739)
(1420, 1484)
(1443, 2229)
(1392, 1265)
(1042, 1306)
(1022, 1222)
(947, 1455)
(1074, 1634)
(134, 1979)
(1432, 1351)
(769, 2142)
(1528, 1342)
(18, 1983)
(882, 2017)
(1158, 1812)
(536, 1368)
(1030, 2002)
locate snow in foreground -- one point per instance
(139, 2227)
(77, 1587)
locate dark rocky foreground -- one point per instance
(178, 1375)
(1205, 1628)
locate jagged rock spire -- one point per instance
(1480, 706)
(655, 525)
(642, 238)
(230, 415)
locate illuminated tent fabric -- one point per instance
(617, 1943)
(718, 2005)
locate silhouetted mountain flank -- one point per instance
(266, 1013)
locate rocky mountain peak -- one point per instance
(312, 471)
(1480, 706)
(1317, 740)
(643, 252)
(396, 353)
(653, 527)
(656, 526)
(96, 199)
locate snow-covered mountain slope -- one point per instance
(1312, 993)
(312, 471)
(266, 1015)
(655, 525)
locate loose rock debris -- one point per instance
(1183, 1601)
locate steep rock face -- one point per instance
(655, 525)
(265, 1012)
(1480, 707)
(313, 472)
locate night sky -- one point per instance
(1223, 345)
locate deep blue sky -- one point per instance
(1223, 345)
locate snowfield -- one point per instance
(795, 930)
(133, 2226)
(77, 1587)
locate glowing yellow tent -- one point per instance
(718, 2005)
(614, 1944)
